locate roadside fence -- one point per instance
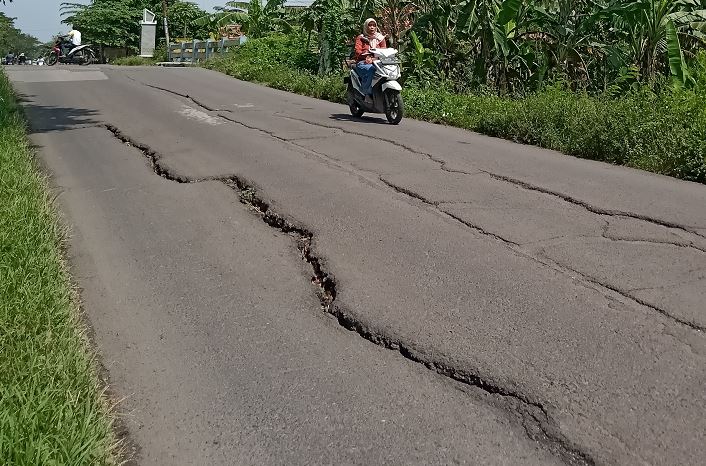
(198, 50)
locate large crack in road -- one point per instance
(470, 276)
(536, 421)
(514, 246)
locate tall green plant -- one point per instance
(255, 17)
(419, 63)
(335, 26)
(511, 45)
(677, 65)
(644, 24)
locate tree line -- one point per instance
(14, 40)
(509, 46)
(116, 23)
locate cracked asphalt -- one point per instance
(507, 304)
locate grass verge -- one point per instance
(281, 77)
(662, 133)
(52, 411)
(133, 61)
(659, 132)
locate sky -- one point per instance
(41, 19)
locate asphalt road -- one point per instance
(492, 303)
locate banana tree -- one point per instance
(569, 34)
(420, 63)
(255, 17)
(496, 27)
(445, 27)
(652, 28)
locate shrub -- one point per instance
(133, 61)
(280, 49)
(280, 62)
(663, 133)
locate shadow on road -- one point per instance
(363, 119)
(45, 119)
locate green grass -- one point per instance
(51, 408)
(662, 132)
(133, 61)
(280, 61)
(282, 77)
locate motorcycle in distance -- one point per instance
(81, 55)
(386, 90)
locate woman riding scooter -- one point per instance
(370, 38)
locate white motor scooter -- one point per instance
(386, 90)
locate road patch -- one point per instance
(54, 76)
(197, 115)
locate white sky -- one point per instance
(40, 18)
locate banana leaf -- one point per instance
(677, 64)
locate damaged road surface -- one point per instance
(270, 281)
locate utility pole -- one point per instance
(166, 26)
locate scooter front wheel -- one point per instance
(394, 107)
(51, 59)
(356, 110)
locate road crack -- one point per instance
(456, 218)
(626, 294)
(593, 209)
(442, 164)
(536, 421)
(246, 194)
(518, 248)
(408, 192)
(522, 184)
(184, 96)
(681, 244)
(514, 246)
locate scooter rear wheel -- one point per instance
(87, 57)
(353, 105)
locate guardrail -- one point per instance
(197, 50)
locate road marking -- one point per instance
(198, 115)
